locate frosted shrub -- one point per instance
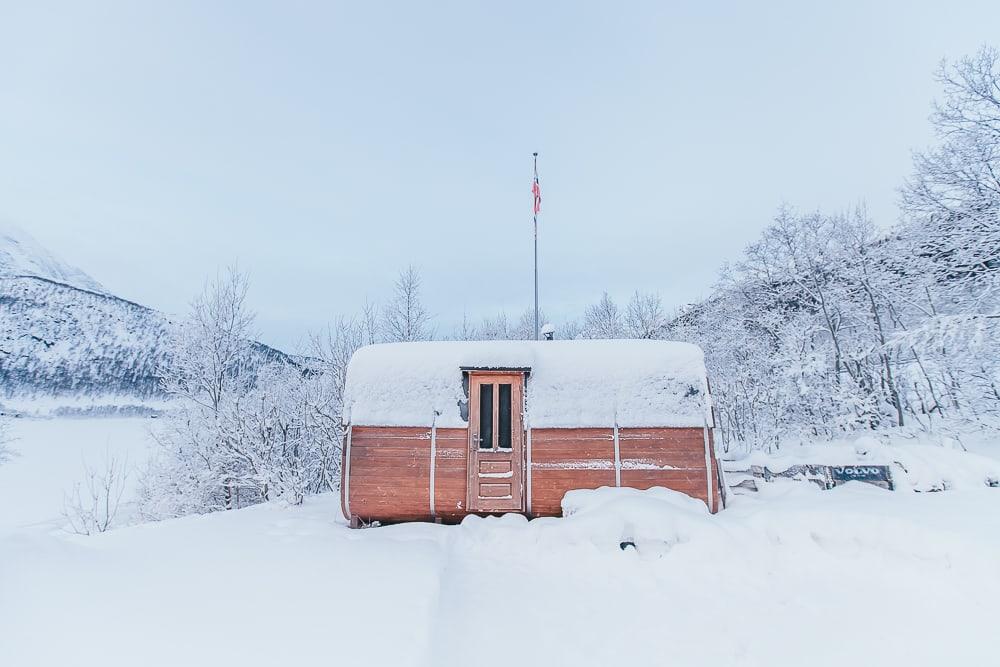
(247, 427)
(93, 505)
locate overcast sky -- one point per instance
(325, 146)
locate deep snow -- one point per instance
(924, 462)
(790, 576)
(51, 457)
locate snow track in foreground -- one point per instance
(789, 576)
(827, 577)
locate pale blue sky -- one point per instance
(327, 145)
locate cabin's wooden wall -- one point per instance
(584, 458)
(451, 474)
(669, 457)
(568, 458)
(390, 473)
(390, 468)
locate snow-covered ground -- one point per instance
(52, 457)
(919, 462)
(83, 406)
(791, 575)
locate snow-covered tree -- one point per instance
(953, 197)
(827, 325)
(500, 327)
(331, 353)
(645, 316)
(369, 324)
(212, 369)
(952, 237)
(249, 425)
(603, 319)
(404, 317)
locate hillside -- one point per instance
(67, 346)
(56, 339)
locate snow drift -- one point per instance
(925, 463)
(792, 575)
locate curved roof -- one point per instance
(578, 383)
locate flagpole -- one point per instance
(534, 208)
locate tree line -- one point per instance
(829, 325)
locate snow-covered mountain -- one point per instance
(70, 346)
(21, 255)
(59, 340)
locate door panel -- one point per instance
(494, 490)
(496, 438)
(494, 467)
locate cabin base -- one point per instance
(399, 474)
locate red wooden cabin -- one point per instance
(439, 430)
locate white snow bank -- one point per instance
(919, 464)
(884, 578)
(597, 521)
(656, 518)
(930, 468)
(591, 383)
(869, 577)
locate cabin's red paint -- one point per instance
(387, 477)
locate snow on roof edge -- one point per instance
(586, 383)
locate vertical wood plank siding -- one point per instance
(390, 468)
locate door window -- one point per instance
(485, 416)
(495, 403)
(503, 417)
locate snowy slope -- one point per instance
(56, 339)
(51, 454)
(63, 337)
(62, 334)
(21, 255)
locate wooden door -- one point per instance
(496, 441)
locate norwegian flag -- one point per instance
(537, 192)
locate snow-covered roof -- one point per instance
(584, 383)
